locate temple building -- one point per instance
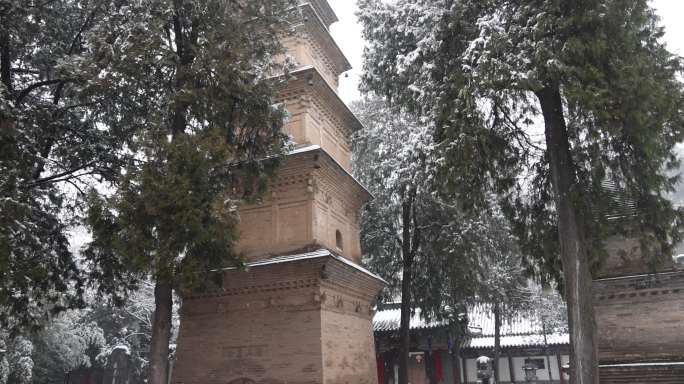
(441, 356)
(301, 311)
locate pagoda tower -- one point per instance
(302, 310)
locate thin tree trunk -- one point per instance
(5, 62)
(574, 256)
(456, 364)
(546, 352)
(161, 332)
(497, 341)
(404, 327)
(406, 281)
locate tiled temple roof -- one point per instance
(519, 331)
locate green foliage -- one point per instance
(90, 93)
(16, 365)
(502, 281)
(474, 68)
(49, 147)
(458, 258)
(191, 80)
(69, 342)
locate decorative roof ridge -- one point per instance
(643, 364)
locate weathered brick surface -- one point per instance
(311, 200)
(284, 323)
(641, 318)
(624, 258)
(348, 348)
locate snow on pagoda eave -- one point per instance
(367, 195)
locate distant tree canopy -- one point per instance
(50, 146)
(393, 157)
(435, 256)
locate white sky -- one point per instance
(347, 33)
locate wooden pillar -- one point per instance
(456, 367)
(511, 370)
(465, 370)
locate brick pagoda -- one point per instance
(301, 312)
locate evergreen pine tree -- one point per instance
(606, 89)
(51, 150)
(193, 82)
(434, 256)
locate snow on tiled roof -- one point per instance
(481, 317)
(517, 340)
(389, 320)
(515, 332)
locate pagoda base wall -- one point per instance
(348, 349)
(281, 324)
(639, 318)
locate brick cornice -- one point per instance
(639, 287)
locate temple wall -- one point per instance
(282, 221)
(305, 51)
(640, 318)
(302, 322)
(347, 328)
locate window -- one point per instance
(537, 363)
(338, 240)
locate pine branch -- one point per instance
(24, 93)
(60, 176)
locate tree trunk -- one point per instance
(404, 327)
(456, 364)
(406, 281)
(497, 341)
(546, 352)
(161, 332)
(5, 62)
(574, 255)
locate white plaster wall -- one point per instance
(504, 372)
(471, 370)
(518, 362)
